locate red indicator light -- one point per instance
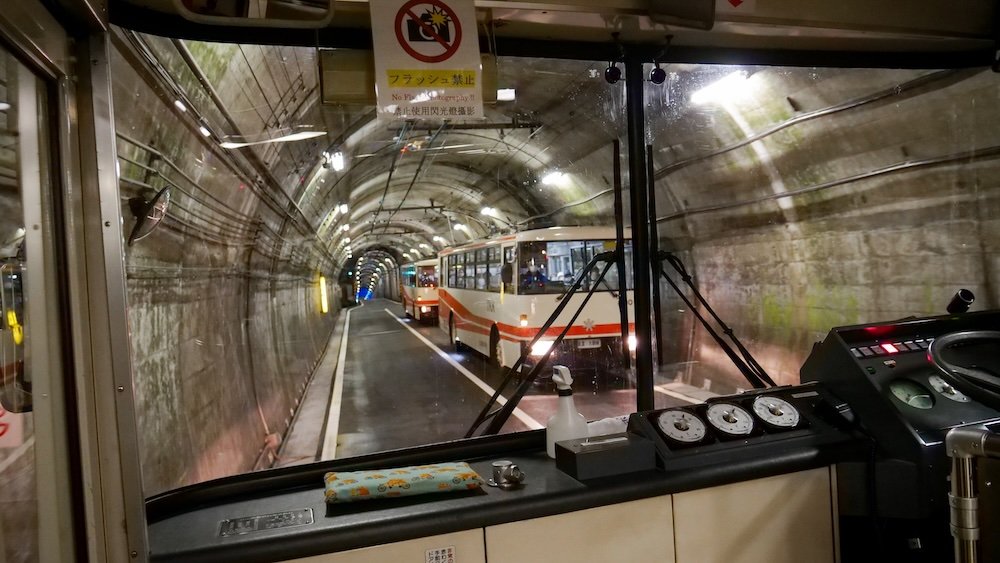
(889, 348)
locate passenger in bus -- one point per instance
(533, 279)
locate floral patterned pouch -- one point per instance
(349, 486)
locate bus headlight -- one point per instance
(632, 343)
(425, 309)
(541, 347)
(524, 320)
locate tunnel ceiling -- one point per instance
(410, 187)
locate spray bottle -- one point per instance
(567, 423)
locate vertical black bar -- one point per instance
(620, 245)
(639, 199)
(654, 251)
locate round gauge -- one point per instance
(681, 426)
(730, 419)
(941, 386)
(776, 412)
(912, 393)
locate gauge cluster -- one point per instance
(731, 418)
(724, 425)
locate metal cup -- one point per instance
(506, 475)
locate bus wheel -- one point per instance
(496, 348)
(406, 310)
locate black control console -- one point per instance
(898, 501)
(746, 428)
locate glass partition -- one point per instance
(801, 199)
(24, 157)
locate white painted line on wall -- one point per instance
(521, 415)
(676, 395)
(333, 414)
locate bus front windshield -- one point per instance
(552, 266)
(427, 276)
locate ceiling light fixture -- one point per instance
(555, 178)
(300, 136)
(204, 131)
(723, 90)
(180, 105)
(506, 95)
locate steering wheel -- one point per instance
(976, 383)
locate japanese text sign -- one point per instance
(427, 63)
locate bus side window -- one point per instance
(494, 269)
(507, 271)
(470, 270)
(482, 263)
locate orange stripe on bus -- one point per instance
(525, 333)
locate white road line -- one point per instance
(16, 454)
(521, 415)
(333, 414)
(676, 395)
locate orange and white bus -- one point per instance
(499, 320)
(418, 289)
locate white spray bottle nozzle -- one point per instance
(562, 378)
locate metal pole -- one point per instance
(639, 199)
(964, 504)
(654, 250)
(620, 246)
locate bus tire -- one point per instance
(496, 348)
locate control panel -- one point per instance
(884, 373)
(758, 422)
(899, 398)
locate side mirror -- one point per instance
(507, 273)
(148, 213)
(258, 13)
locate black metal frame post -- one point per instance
(639, 199)
(654, 250)
(745, 362)
(620, 245)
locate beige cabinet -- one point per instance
(783, 519)
(639, 531)
(788, 518)
(467, 547)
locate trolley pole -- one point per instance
(641, 257)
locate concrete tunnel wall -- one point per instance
(225, 325)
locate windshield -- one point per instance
(794, 200)
(427, 276)
(553, 266)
